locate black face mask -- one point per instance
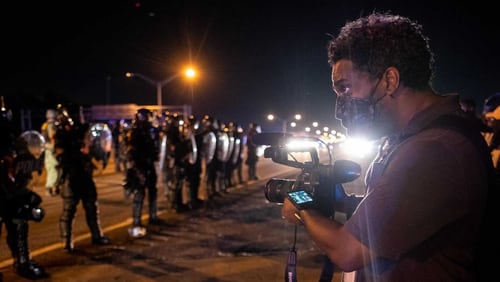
(360, 117)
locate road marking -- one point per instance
(60, 246)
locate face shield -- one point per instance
(33, 142)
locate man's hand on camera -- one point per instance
(290, 213)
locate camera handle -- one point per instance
(291, 265)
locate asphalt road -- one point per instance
(239, 237)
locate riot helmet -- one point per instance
(231, 126)
(193, 122)
(216, 125)
(207, 119)
(32, 142)
(239, 129)
(254, 127)
(179, 119)
(143, 115)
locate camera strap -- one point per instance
(327, 270)
(291, 264)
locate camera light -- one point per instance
(357, 147)
(301, 144)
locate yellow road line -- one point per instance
(60, 246)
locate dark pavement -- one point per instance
(239, 237)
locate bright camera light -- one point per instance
(357, 147)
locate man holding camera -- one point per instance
(423, 214)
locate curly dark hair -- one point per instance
(378, 41)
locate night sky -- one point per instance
(253, 57)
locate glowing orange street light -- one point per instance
(190, 73)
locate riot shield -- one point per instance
(236, 151)
(222, 150)
(193, 148)
(101, 142)
(163, 152)
(209, 144)
(230, 148)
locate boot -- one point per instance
(102, 240)
(221, 183)
(30, 269)
(23, 265)
(98, 238)
(137, 230)
(67, 218)
(153, 211)
(65, 230)
(95, 230)
(136, 213)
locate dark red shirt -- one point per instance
(420, 213)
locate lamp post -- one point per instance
(189, 73)
(272, 117)
(108, 89)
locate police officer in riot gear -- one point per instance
(233, 165)
(18, 159)
(194, 167)
(252, 156)
(142, 153)
(177, 144)
(167, 155)
(211, 129)
(187, 167)
(72, 148)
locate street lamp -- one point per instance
(189, 73)
(272, 117)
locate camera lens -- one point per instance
(276, 188)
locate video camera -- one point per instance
(318, 185)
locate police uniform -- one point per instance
(142, 153)
(72, 147)
(18, 203)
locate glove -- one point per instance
(28, 207)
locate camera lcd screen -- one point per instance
(300, 197)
